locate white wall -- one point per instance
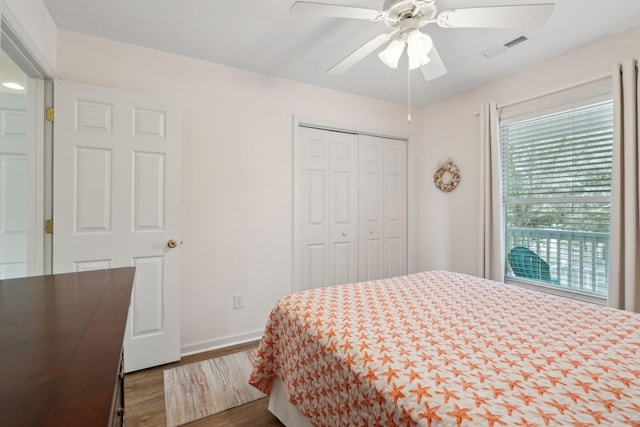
(447, 225)
(31, 21)
(237, 171)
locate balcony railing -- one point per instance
(577, 260)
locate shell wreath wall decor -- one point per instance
(447, 176)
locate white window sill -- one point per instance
(563, 292)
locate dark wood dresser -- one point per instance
(61, 348)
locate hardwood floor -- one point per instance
(144, 398)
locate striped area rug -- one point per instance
(205, 388)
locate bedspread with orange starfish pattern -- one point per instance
(447, 349)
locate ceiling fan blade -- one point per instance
(335, 11)
(359, 54)
(434, 68)
(522, 16)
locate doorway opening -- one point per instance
(25, 202)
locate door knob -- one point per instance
(371, 231)
(172, 243)
(344, 234)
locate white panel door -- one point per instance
(116, 203)
(395, 207)
(325, 208)
(371, 209)
(343, 265)
(383, 207)
(15, 192)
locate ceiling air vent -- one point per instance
(516, 41)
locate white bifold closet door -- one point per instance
(350, 208)
(382, 211)
(326, 212)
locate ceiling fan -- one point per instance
(406, 17)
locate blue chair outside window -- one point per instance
(528, 264)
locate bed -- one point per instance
(447, 349)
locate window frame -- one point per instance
(580, 95)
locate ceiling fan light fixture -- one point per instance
(418, 47)
(391, 55)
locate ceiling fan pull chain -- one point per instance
(408, 96)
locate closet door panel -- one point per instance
(342, 263)
(371, 260)
(344, 207)
(371, 204)
(395, 207)
(326, 208)
(393, 258)
(315, 264)
(383, 207)
(312, 214)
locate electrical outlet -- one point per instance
(238, 301)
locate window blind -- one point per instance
(556, 175)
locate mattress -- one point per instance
(447, 349)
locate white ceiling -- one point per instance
(261, 36)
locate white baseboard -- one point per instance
(220, 343)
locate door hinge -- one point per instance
(48, 226)
(49, 113)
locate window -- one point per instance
(556, 179)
